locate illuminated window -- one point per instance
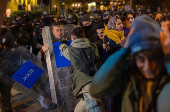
(75, 4)
(72, 4)
(78, 4)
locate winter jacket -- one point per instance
(126, 32)
(115, 77)
(114, 35)
(78, 78)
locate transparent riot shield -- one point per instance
(21, 71)
(59, 69)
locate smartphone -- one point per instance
(105, 40)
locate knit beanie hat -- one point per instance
(112, 23)
(145, 35)
(99, 25)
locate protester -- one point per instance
(158, 16)
(166, 19)
(82, 52)
(88, 26)
(114, 31)
(95, 18)
(99, 17)
(113, 9)
(127, 19)
(105, 49)
(145, 81)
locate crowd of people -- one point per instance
(119, 58)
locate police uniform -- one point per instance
(37, 34)
(27, 25)
(7, 40)
(22, 38)
(62, 19)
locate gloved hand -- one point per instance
(64, 41)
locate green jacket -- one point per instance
(115, 76)
(78, 78)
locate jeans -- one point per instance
(89, 104)
(92, 104)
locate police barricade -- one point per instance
(59, 69)
(21, 71)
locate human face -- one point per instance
(58, 31)
(55, 19)
(158, 17)
(119, 25)
(100, 33)
(113, 8)
(106, 17)
(149, 63)
(86, 23)
(129, 20)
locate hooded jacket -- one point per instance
(114, 77)
(78, 78)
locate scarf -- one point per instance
(114, 35)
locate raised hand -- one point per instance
(165, 37)
(126, 45)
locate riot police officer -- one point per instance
(138, 12)
(80, 14)
(7, 39)
(148, 11)
(106, 17)
(62, 20)
(27, 25)
(22, 39)
(37, 41)
(72, 19)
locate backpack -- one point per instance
(88, 61)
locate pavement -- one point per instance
(21, 103)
